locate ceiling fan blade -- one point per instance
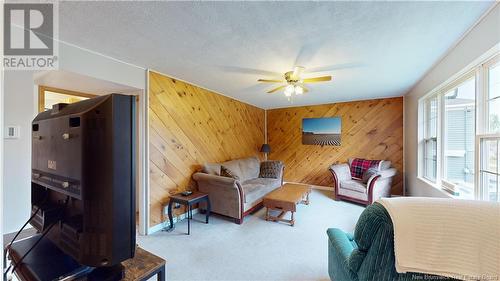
(317, 79)
(277, 89)
(297, 71)
(271, 81)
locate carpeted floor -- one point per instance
(257, 249)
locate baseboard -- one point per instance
(319, 187)
(182, 216)
(166, 224)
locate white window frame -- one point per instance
(479, 71)
(485, 90)
(442, 120)
(427, 138)
(479, 192)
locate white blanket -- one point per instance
(448, 237)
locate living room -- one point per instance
(268, 140)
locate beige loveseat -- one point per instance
(239, 195)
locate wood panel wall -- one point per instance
(371, 129)
(189, 126)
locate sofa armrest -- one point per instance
(387, 173)
(341, 241)
(225, 194)
(341, 171)
(340, 247)
(379, 186)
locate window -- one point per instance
(459, 137)
(461, 130)
(489, 168)
(430, 139)
(493, 88)
(48, 96)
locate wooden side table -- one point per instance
(189, 201)
(143, 266)
(47, 262)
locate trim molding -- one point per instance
(144, 228)
(165, 224)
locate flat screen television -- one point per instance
(83, 178)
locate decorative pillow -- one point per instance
(359, 166)
(384, 165)
(225, 172)
(369, 173)
(270, 169)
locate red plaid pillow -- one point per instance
(359, 166)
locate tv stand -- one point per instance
(47, 262)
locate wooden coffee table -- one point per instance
(285, 199)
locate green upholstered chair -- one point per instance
(369, 253)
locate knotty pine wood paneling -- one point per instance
(371, 129)
(189, 126)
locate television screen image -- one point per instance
(322, 131)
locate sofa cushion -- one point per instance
(270, 169)
(245, 169)
(353, 194)
(249, 168)
(228, 173)
(354, 185)
(211, 169)
(255, 189)
(234, 167)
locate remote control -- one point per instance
(186, 193)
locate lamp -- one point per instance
(265, 148)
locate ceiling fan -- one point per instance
(294, 83)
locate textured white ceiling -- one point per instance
(374, 49)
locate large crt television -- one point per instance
(82, 178)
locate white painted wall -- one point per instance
(20, 107)
(481, 38)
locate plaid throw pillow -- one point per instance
(225, 172)
(270, 169)
(359, 166)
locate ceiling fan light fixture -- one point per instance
(289, 90)
(299, 90)
(294, 84)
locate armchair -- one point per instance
(369, 253)
(376, 185)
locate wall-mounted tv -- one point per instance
(322, 131)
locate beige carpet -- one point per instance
(257, 249)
